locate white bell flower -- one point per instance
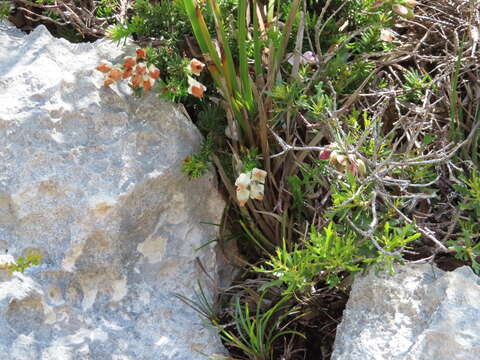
(250, 185)
(256, 191)
(243, 196)
(259, 175)
(243, 181)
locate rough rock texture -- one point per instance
(420, 313)
(90, 177)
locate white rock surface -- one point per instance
(90, 177)
(420, 313)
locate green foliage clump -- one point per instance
(415, 85)
(5, 9)
(23, 262)
(196, 165)
(106, 8)
(163, 20)
(467, 243)
(336, 250)
(258, 330)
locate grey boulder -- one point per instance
(90, 177)
(419, 313)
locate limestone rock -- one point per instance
(90, 177)
(420, 313)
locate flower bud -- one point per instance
(410, 3)
(362, 169)
(141, 53)
(403, 11)
(325, 155)
(386, 35)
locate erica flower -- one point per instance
(325, 155)
(250, 185)
(107, 82)
(154, 72)
(140, 73)
(105, 66)
(137, 81)
(343, 162)
(129, 62)
(196, 89)
(115, 74)
(141, 53)
(256, 191)
(140, 69)
(127, 73)
(242, 183)
(112, 76)
(259, 175)
(403, 11)
(147, 82)
(386, 35)
(196, 67)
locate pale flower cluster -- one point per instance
(250, 185)
(195, 88)
(140, 73)
(342, 161)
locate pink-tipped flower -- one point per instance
(127, 73)
(257, 191)
(137, 81)
(140, 69)
(243, 193)
(325, 155)
(357, 167)
(196, 89)
(148, 82)
(129, 62)
(403, 11)
(108, 82)
(242, 181)
(104, 67)
(154, 72)
(141, 53)
(115, 74)
(196, 66)
(386, 35)
(243, 196)
(259, 175)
